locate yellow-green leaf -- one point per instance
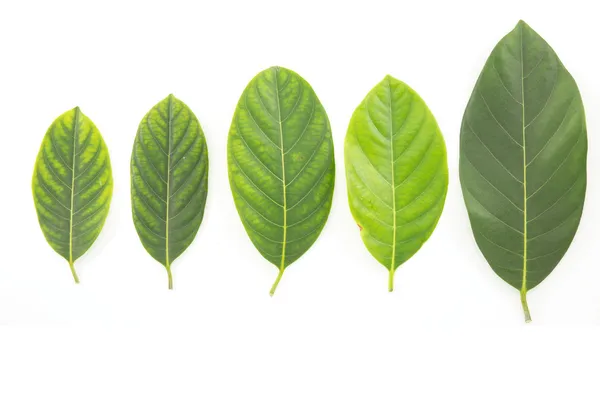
(397, 172)
(72, 185)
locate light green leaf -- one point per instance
(397, 172)
(169, 180)
(72, 185)
(281, 165)
(523, 160)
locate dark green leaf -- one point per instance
(169, 180)
(72, 185)
(523, 159)
(281, 165)
(397, 172)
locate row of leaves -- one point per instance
(522, 169)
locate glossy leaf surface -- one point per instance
(281, 165)
(169, 180)
(72, 185)
(523, 159)
(397, 172)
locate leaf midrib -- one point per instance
(169, 141)
(523, 291)
(283, 245)
(73, 169)
(393, 184)
(524, 282)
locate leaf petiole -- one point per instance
(525, 306)
(391, 280)
(274, 287)
(72, 266)
(170, 278)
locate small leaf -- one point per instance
(169, 180)
(397, 172)
(72, 185)
(281, 165)
(523, 160)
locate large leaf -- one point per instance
(169, 180)
(72, 185)
(281, 165)
(523, 159)
(397, 172)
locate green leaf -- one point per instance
(396, 171)
(169, 180)
(281, 165)
(523, 160)
(72, 185)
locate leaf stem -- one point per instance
(391, 280)
(170, 278)
(525, 306)
(72, 266)
(274, 287)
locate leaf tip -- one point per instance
(76, 112)
(522, 25)
(389, 79)
(277, 69)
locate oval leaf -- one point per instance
(397, 172)
(523, 159)
(281, 165)
(72, 185)
(169, 180)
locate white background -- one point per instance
(451, 328)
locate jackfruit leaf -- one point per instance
(169, 180)
(72, 185)
(281, 165)
(523, 151)
(397, 172)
